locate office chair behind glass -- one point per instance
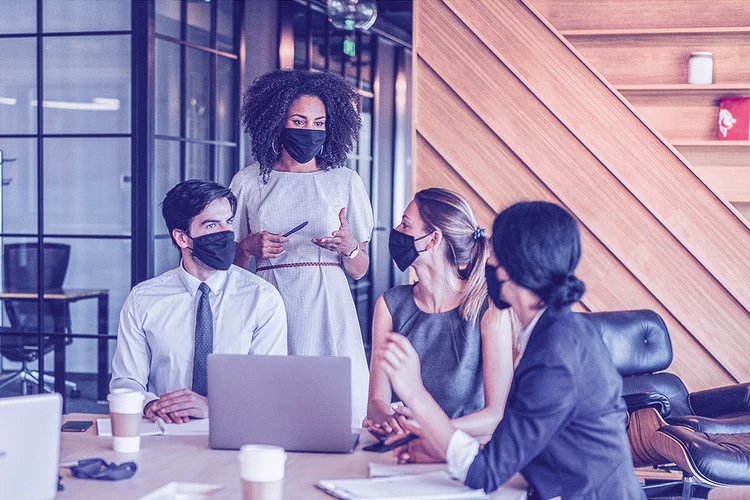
(20, 275)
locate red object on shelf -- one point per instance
(734, 119)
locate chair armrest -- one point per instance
(731, 425)
(722, 401)
(655, 400)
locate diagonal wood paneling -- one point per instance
(637, 157)
(477, 164)
(509, 136)
(443, 175)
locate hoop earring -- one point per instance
(273, 147)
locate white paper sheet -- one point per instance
(196, 427)
(390, 470)
(184, 491)
(432, 486)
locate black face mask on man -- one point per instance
(216, 250)
(494, 286)
(303, 144)
(403, 249)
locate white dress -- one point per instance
(321, 317)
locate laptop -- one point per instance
(301, 403)
(30, 446)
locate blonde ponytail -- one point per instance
(475, 293)
(467, 246)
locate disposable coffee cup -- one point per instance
(125, 412)
(262, 472)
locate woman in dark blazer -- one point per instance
(564, 424)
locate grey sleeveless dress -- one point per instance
(449, 348)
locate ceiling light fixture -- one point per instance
(352, 14)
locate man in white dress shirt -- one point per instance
(169, 324)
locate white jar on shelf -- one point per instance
(701, 68)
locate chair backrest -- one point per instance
(638, 340)
(20, 264)
(640, 346)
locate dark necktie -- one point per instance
(204, 341)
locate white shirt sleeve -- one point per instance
(132, 359)
(269, 335)
(462, 450)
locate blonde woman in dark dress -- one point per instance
(465, 344)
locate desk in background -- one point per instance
(164, 459)
(70, 296)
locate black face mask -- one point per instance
(494, 286)
(402, 248)
(216, 250)
(303, 144)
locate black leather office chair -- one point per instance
(705, 433)
(20, 274)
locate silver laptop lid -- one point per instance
(301, 403)
(30, 446)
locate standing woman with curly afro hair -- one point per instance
(302, 126)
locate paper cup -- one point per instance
(262, 472)
(125, 411)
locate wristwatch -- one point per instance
(354, 252)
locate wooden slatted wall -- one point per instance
(507, 110)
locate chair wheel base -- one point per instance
(685, 490)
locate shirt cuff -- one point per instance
(147, 398)
(462, 450)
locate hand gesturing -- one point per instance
(341, 240)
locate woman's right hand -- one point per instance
(264, 245)
(382, 421)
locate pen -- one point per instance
(292, 231)
(160, 424)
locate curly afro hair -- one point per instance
(267, 101)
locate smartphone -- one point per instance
(77, 425)
(382, 447)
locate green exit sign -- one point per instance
(350, 48)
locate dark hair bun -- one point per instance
(569, 291)
(539, 246)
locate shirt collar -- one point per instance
(523, 339)
(215, 282)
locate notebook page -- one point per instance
(393, 469)
(433, 486)
(148, 428)
(195, 427)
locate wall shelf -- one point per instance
(685, 87)
(655, 31)
(711, 143)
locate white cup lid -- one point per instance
(125, 401)
(261, 463)
(701, 54)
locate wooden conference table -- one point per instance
(164, 459)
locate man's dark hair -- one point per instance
(266, 103)
(539, 245)
(188, 199)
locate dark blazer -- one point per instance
(564, 423)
